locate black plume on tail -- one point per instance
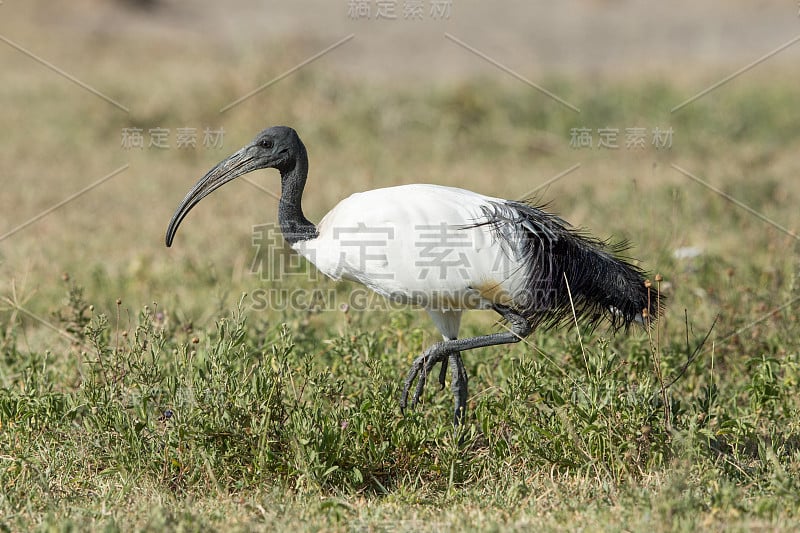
(562, 261)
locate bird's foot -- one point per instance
(443, 372)
(419, 370)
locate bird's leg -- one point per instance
(459, 387)
(450, 349)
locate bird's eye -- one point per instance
(267, 143)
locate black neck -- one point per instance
(294, 225)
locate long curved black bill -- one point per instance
(231, 168)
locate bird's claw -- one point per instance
(423, 365)
(443, 373)
(419, 370)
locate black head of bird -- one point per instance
(277, 147)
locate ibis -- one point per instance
(446, 250)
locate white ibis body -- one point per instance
(446, 250)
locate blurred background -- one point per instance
(111, 110)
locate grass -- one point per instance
(152, 388)
(148, 423)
